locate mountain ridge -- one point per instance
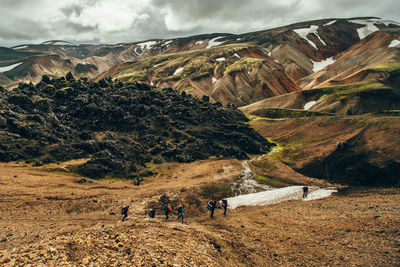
(300, 51)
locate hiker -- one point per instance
(124, 211)
(167, 210)
(305, 191)
(211, 207)
(338, 145)
(181, 212)
(344, 147)
(224, 204)
(152, 213)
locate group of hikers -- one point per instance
(211, 206)
(341, 146)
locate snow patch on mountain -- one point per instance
(278, 195)
(220, 59)
(330, 23)
(214, 80)
(394, 43)
(322, 64)
(147, 45)
(178, 70)
(10, 67)
(58, 43)
(236, 55)
(320, 193)
(213, 42)
(368, 28)
(168, 42)
(199, 42)
(308, 105)
(313, 29)
(20, 47)
(385, 22)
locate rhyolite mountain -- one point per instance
(230, 68)
(119, 126)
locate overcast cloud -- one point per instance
(114, 21)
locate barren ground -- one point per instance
(48, 218)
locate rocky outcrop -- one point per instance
(120, 127)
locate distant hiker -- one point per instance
(344, 146)
(211, 207)
(124, 211)
(152, 213)
(167, 210)
(338, 145)
(305, 191)
(224, 205)
(181, 212)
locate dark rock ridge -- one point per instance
(120, 127)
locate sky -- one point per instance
(115, 21)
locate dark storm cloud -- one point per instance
(114, 21)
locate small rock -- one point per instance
(5, 259)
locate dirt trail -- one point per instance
(49, 218)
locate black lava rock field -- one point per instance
(119, 126)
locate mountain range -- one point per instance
(239, 69)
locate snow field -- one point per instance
(220, 59)
(213, 42)
(147, 45)
(10, 67)
(368, 28)
(330, 23)
(214, 80)
(199, 42)
(319, 193)
(275, 196)
(20, 47)
(303, 32)
(308, 105)
(178, 70)
(394, 43)
(322, 64)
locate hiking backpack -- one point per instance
(224, 203)
(210, 205)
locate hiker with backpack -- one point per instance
(344, 146)
(152, 213)
(305, 191)
(211, 207)
(338, 146)
(167, 210)
(124, 211)
(181, 212)
(224, 204)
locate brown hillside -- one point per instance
(58, 219)
(350, 66)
